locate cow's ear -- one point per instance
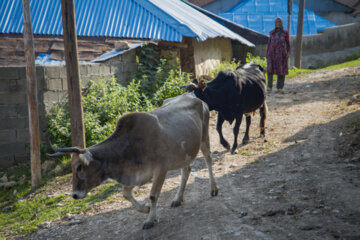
(202, 85)
(86, 157)
(195, 81)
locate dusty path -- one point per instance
(301, 182)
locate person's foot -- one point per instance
(269, 89)
(280, 90)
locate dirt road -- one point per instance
(301, 182)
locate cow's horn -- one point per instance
(64, 151)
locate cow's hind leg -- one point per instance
(127, 192)
(263, 115)
(248, 123)
(236, 133)
(205, 149)
(159, 178)
(185, 172)
(219, 124)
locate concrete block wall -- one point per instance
(52, 89)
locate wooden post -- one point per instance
(289, 16)
(289, 23)
(73, 74)
(299, 33)
(33, 110)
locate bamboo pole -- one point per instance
(33, 110)
(73, 74)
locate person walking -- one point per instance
(278, 52)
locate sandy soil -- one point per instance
(300, 182)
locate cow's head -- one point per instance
(87, 171)
(196, 85)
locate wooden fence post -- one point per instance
(73, 74)
(299, 34)
(32, 97)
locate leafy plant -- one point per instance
(232, 65)
(103, 104)
(257, 60)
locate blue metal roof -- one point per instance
(260, 16)
(168, 20)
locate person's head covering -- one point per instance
(281, 27)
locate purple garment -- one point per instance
(278, 52)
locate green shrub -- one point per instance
(232, 65)
(103, 104)
(171, 87)
(257, 60)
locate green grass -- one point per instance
(24, 212)
(352, 63)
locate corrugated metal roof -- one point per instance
(260, 16)
(250, 34)
(168, 20)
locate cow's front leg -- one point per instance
(185, 172)
(205, 149)
(159, 178)
(127, 192)
(248, 123)
(219, 124)
(236, 133)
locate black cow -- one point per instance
(232, 94)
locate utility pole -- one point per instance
(73, 74)
(298, 48)
(33, 110)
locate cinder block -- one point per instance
(22, 135)
(9, 72)
(13, 98)
(7, 112)
(7, 136)
(12, 123)
(52, 72)
(54, 84)
(51, 96)
(116, 67)
(63, 73)
(10, 111)
(7, 161)
(10, 149)
(84, 70)
(64, 84)
(104, 70)
(40, 71)
(93, 69)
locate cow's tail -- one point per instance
(265, 110)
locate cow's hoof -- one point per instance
(148, 225)
(175, 204)
(262, 134)
(234, 151)
(226, 145)
(214, 192)
(245, 141)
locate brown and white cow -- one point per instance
(146, 146)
